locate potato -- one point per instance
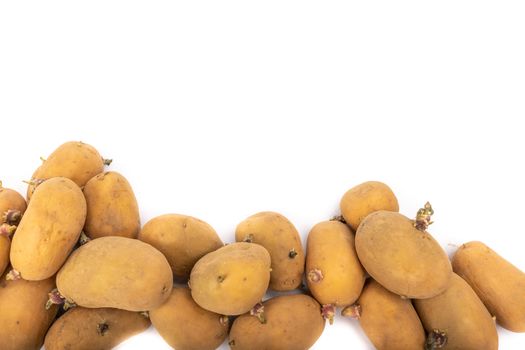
(401, 258)
(94, 329)
(498, 283)
(5, 244)
(460, 316)
(116, 272)
(292, 322)
(49, 229)
(12, 206)
(389, 321)
(278, 235)
(364, 199)
(182, 239)
(334, 274)
(232, 279)
(77, 161)
(24, 319)
(112, 208)
(184, 325)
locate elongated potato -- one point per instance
(459, 316)
(77, 161)
(24, 319)
(112, 208)
(12, 206)
(279, 236)
(184, 325)
(5, 244)
(49, 229)
(365, 199)
(498, 283)
(94, 329)
(182, 239)
(404, 260)
(292, 322)
(232, 279)
(116, 272)
(333, 272)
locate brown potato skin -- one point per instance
(293, 322)
(139, 275)
(279, 236)
(5, 245)
(75, 160)
(49, 229)
(182, 239)
(112, 208)
(389, 321)
(401, 258)
(184, 325)
(232, 279)
(498, 283)
(364, 199)
(330, 249)
(94, 329)
(10, 199)
(24, 319)
(459, 312)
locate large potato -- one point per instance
(498, 283)
(112, 208)
(12, 206)
(182, 239)
(365, 199)
(292, 322)
(459, 316)
(5, 244)
(232, 279)
(94, 329)
(404, 260)
(24, 319)
(77, 161)
(116, 272)
(279, 236)
(49, 229)
(184, 325)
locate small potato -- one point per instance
(404, 260)
(94, 329)
(77, 161)
(279, 236)
(458, 316)
(498, 283)
(12, 206)
(24, 319)
(112, 208)
(49, 229)
(334, 274)
(182, 239)
(116, 272)
(389, 321)
(232, 279)
(288, 322)
(184, 325)
(5, 244)
(364, 199)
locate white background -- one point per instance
(223, 109)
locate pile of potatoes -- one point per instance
(79, 272)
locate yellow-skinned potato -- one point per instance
(5, 244)
(49, 229)
(75, 160)
(12, 206)
(458, 317)
(403, 259)
(365, 199)
(24, 319)
(184, 325)
(116, 272)
(182, 239)
(279, 236)
(94, 329)
(333, 272)
(112, 208)
(232, 279)
(291, 322)
(498, 283)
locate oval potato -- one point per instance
(5, 245)
(10, 200)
